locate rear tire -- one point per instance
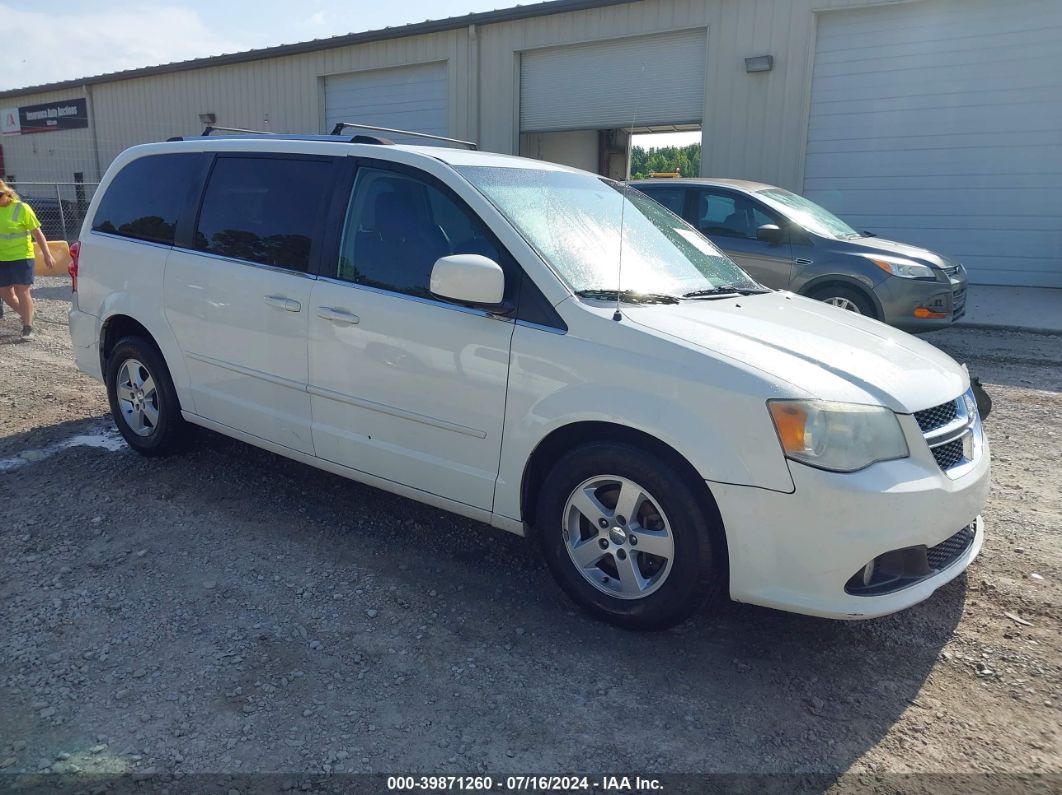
(851, 299)
(647, 571)
(143, 400)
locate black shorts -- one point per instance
(19, 271)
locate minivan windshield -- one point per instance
(808, 214)
(573, 220)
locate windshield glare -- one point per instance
(808, 214)
(573, 220)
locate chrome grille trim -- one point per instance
(953, 435)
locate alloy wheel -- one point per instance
(138, 398)
(843, 303)
(618, 537)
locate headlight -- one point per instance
(903, 268)
(841, 437)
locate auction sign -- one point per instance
(69, 114)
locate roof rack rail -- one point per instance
(371, 139)
(340, 126)
(212, 128)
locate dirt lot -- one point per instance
(229, 610)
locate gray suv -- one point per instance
(787, 242)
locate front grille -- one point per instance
(952, 433)
(937, 417)
(948, 455)
(946, 552)
(958, 303)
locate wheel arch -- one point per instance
(122, 323)
(568, 437)
(831, 279)
(115, 328)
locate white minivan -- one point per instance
(537, 348)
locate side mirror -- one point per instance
(769, 233)
(468, 279)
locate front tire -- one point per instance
(628, 538)
(847, 298)
(143, 400)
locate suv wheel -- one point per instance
(627, 538)
(143, 401)
(847, 298)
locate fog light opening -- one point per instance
(928, 314)
(868, 573)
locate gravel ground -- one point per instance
(229, 610)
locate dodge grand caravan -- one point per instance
(537, 348)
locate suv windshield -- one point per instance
(573, 220)
(808, 214)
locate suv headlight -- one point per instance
(904, 268)
(840, 437)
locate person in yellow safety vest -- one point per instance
(19, 227)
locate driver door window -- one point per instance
(727, 215)
(722, 215)
(731, 221)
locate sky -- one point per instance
(68, 39)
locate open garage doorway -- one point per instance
(579, 104)
(673, 151)
(664, 150)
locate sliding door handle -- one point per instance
(283, 302)
(340, 317)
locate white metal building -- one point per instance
(932, 121)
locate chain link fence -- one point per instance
(60, 206)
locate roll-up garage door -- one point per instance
(641, 81)
(940, 123)
(407, 98)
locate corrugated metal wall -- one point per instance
(755, 125)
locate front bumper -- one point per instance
(900, 298)
(798, 551)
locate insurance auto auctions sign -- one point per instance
(66, 115)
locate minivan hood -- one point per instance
(879, 245)
(824, 351)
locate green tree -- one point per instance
(684, 159)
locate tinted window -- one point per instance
(145, 198)
(397, 227)
(727, 215)
(264, 210)
(716, 213)
(672, 198)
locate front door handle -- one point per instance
(340, 317)
(283, 302)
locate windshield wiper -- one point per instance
(725, 291)
(628, 296)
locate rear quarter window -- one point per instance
(145, 198)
